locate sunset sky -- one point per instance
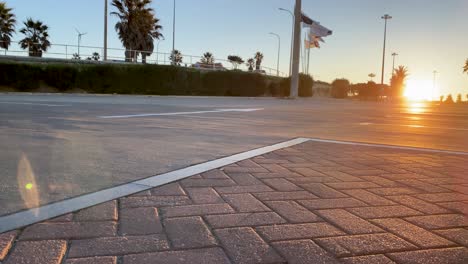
(427, 35)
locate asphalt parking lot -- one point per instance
(63, 146)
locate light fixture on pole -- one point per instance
(105, 30)
(292, 36)
(394, 54)
(79, 40)
(296, 50)
(279, 52)
(386, 17)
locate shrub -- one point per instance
(340, 88)
(306, 85)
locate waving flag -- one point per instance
(315, 28)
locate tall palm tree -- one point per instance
(258, 60)
(371, 76)
(398, 80)
(7, 25)
(36, 37)
(137, 27)
(465, 68)
(176, 58)
(207, 58)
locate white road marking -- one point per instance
(184, 113)
(49, 211)
(22, 103)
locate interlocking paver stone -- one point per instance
(192, 256)
(418, 204)
(349, 222)
(351, 185)
(458, 207)
(458, 235)
(244, 189)
(245, 203)
(384, 211)
(244, 219)
(95, 260)
(243, 179)
(168, 189)
(414, 234)
(443, 197)
(433, 256)
(72, 230)
(303, 252)
(322, 190)
(371, 259)
(293, 212)
(368, 197)
(154, 201)
(298, 231)
(204, 195)
(439, 221)
(6, 242)
(281, 196)
(282, 185)
(38, 252)
(193, 210)
(243, 245)
(368, 244)
(115, 246)
(103, 212)
(139, 221)
(331, 203)
(188, 232)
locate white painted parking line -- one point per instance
(38, 104)
(184, 113)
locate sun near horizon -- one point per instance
(420, 90)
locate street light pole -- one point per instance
(296, 50)
(386, 17)
(173, 27)
(434, 84)
(394, 54)
(105, 30)
(279, 52)
(292, 36)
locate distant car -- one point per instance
(260, 71)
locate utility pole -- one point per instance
(279, 52)
(292, 37)
(105, 30)
(386, 17)
(296, 49)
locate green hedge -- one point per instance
(144, 79)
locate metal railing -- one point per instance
(67, 52)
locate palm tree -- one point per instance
(250, 64)
(465, 68)
(7, 25)
(207, 58)
(398, 80)
(36, 37)
(176, 57)
(258, 60)
(371, 76)
(137, 27)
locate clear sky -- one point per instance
(428, 35)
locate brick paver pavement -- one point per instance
(312, 203)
